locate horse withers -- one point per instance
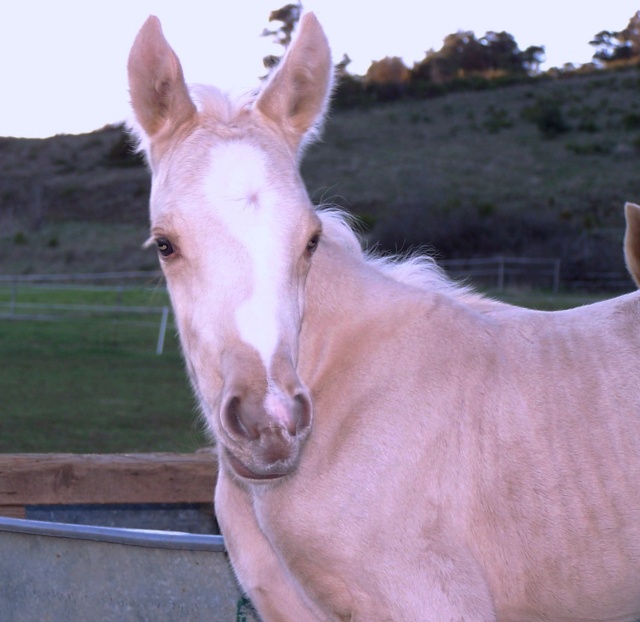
(392, 446)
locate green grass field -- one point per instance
(93, 383)
(96, 385)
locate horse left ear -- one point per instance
(296, 95)
(159, 95)
(632, 241)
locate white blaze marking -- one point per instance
(239, 192)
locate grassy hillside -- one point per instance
(72, 204)
(539, 169)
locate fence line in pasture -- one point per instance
(614, 280)
(14, 309)
(42, 289)
(499, 269)
(82, 276)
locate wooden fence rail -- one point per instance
(68, 479)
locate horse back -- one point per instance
(558, 462)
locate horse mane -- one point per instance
(414, 269)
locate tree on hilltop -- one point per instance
(618, 46)
(463, 55)
(532, 58)
(389, 70)
(289, 15)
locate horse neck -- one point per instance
(347, 300)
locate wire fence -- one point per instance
(115, 296)
(141, 298)
(498, 272)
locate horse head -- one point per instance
(236, 233)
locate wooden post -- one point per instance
(556, 276)
(14, 295)
(500, 274)
(163, 330)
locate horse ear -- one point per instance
(296, 95)
(632, 241)
(159, 96)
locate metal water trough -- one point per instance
(59, 562)
(63, 572)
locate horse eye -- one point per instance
(312, 244)
(165, 248)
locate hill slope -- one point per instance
(538, 169)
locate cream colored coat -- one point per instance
(392, 447)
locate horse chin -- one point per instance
(258, 470)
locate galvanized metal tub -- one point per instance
(61, 572)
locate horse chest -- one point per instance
(298, 526)
(315, 545)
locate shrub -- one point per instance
(496, 119)
(631, 121)
(486, 209)
(20, 238)
(417, 117)
(122, 153)
(480, 230)
(588, 125)
(590, 148)
(547, 116)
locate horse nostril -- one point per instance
(302, 408)
(244, 417)
(236, 422)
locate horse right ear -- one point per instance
(159, 95)
(296, 95)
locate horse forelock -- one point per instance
(218, 114)
(214, 104)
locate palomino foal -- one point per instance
(392, 447)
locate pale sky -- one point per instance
(64, 61)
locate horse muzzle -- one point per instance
(264, 437)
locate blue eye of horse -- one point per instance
(165, 248)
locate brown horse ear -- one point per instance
(632, 241)
(296, 95)
(159, 96)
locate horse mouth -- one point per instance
(270, 472)
(263, 436)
